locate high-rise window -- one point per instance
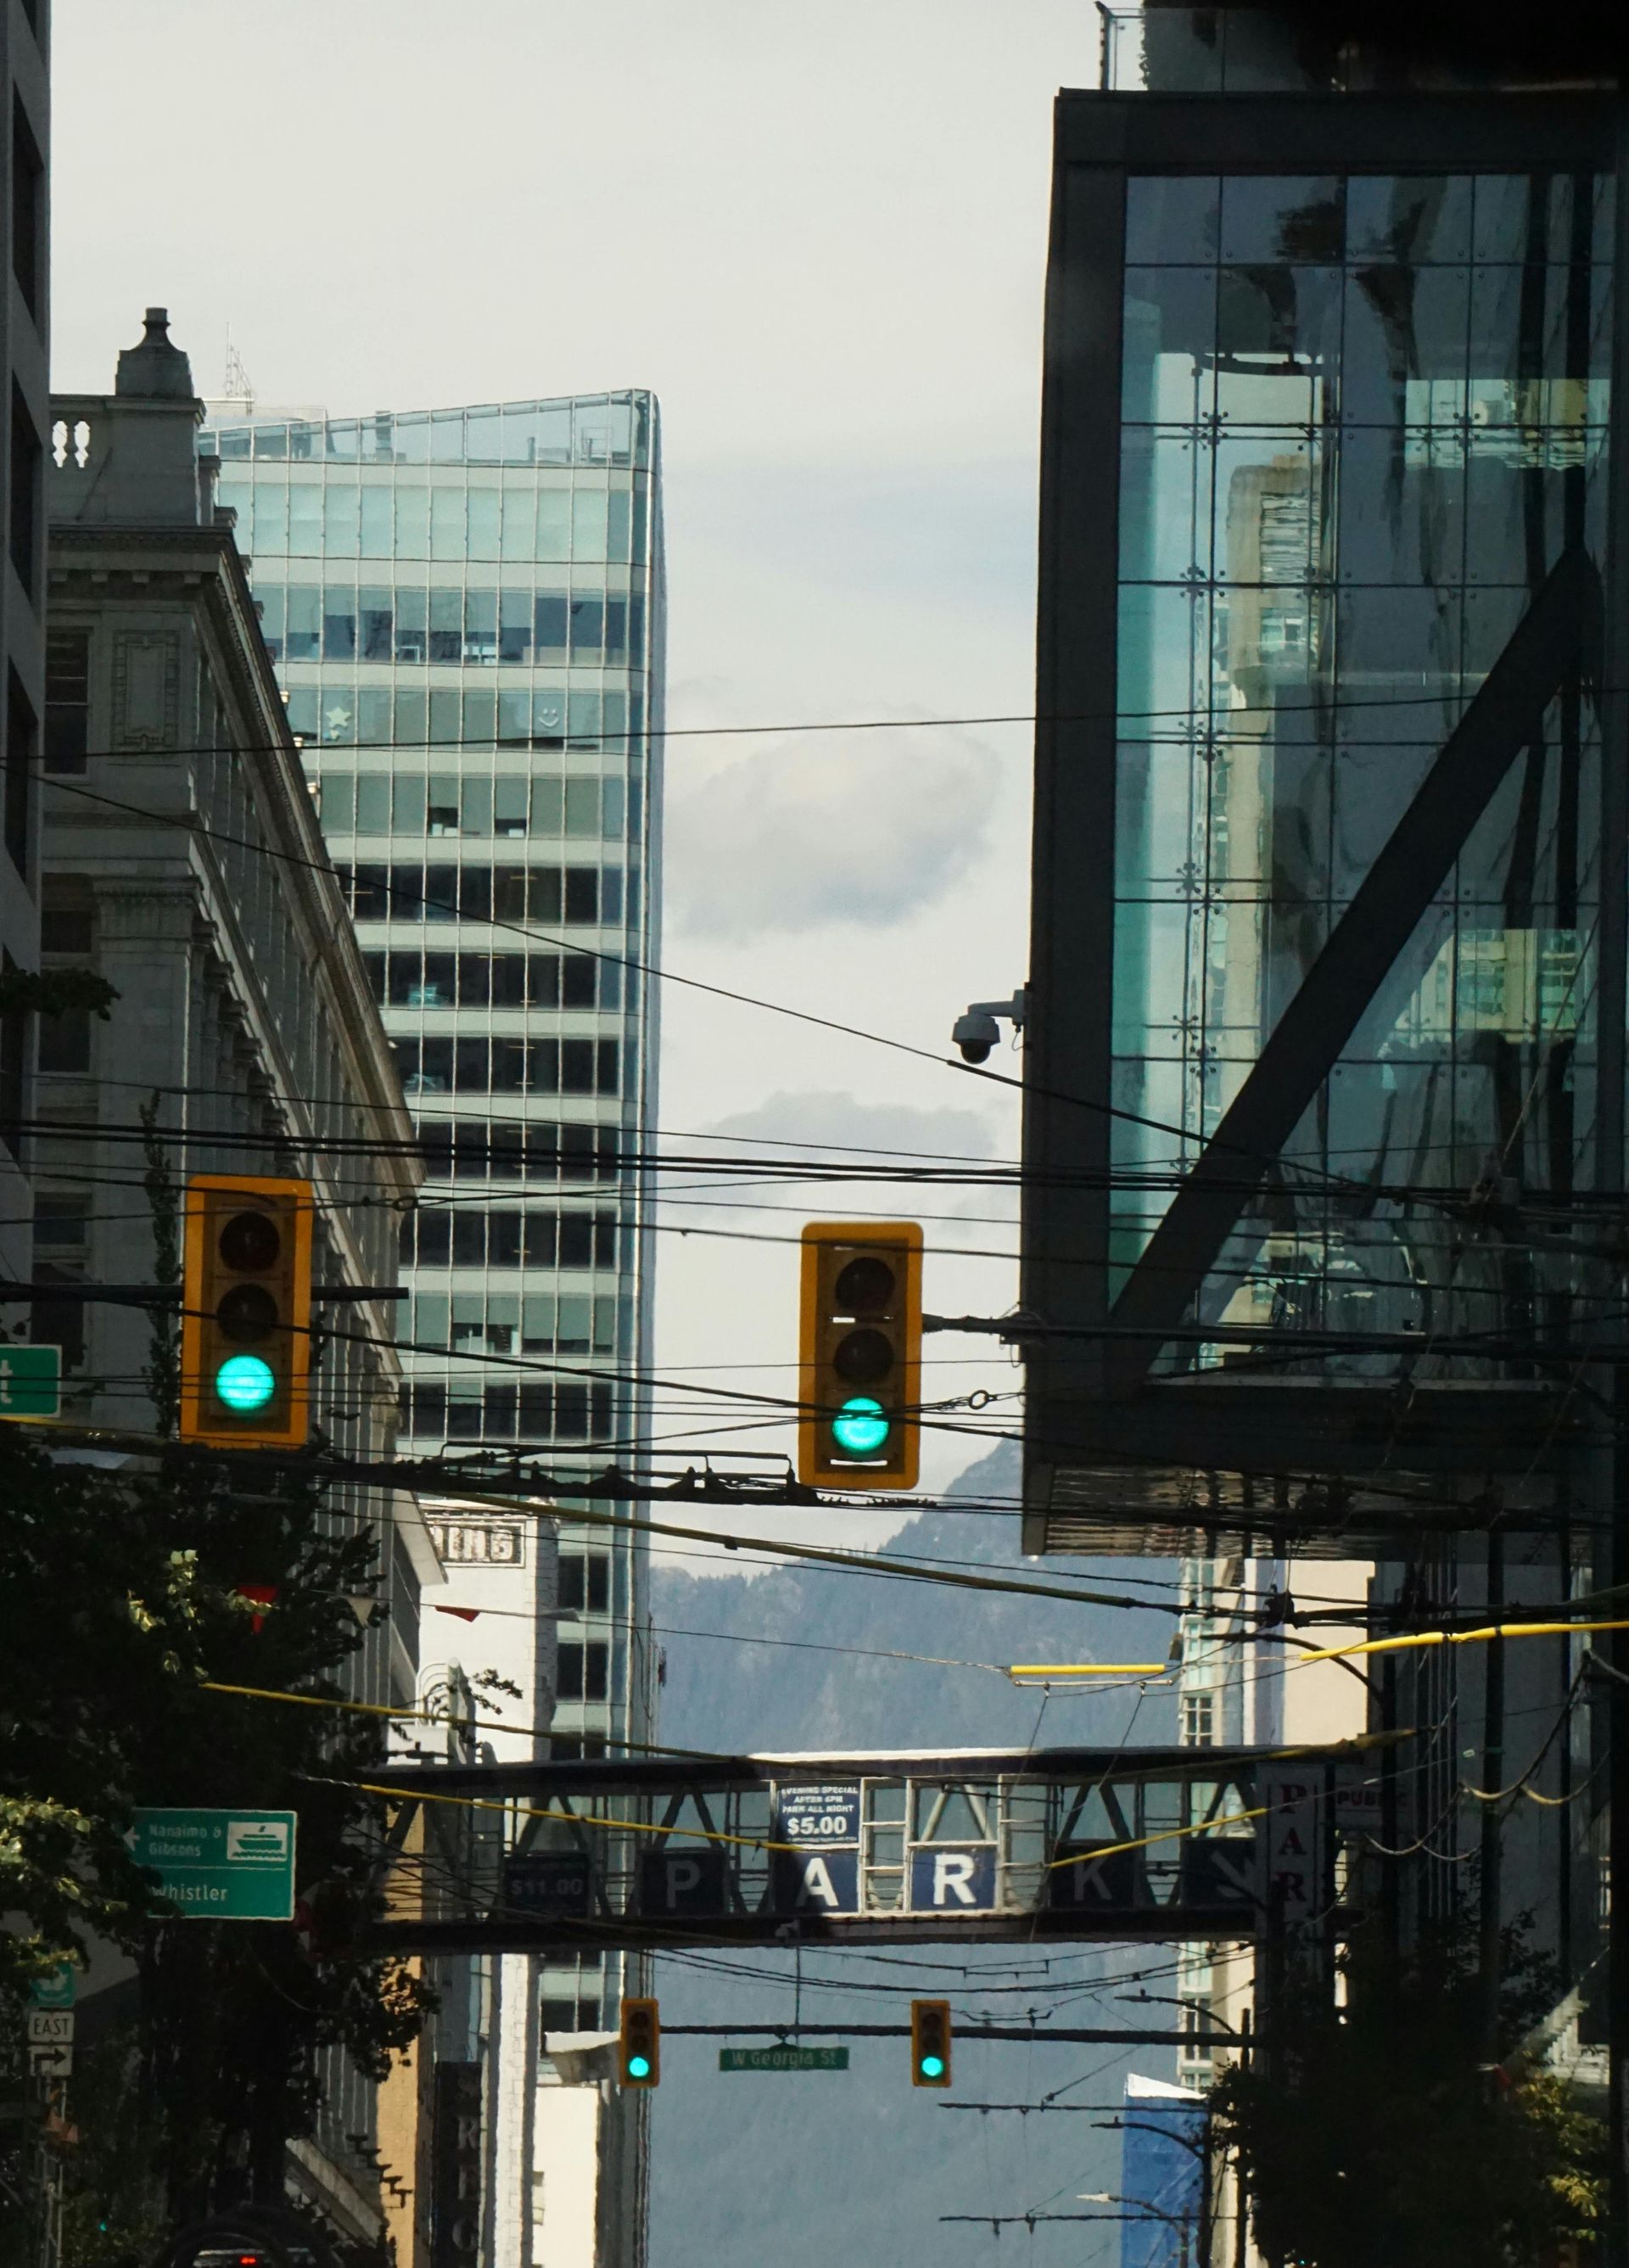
(22, 748)
(27, 461)
(27, 208)
(67, 700)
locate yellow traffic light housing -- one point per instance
(859, 1382)
(639, 2050)
(246, 1326)
(930, 2044)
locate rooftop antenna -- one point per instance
(238, 385)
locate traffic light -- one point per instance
(930, 2044)
(245, 1327)
(860, 1379)
(639, 2055)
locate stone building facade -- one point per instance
(182, 864)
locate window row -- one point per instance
(494, 980)
(478, 716)
(572, 897)
(557, 2015)
(504, 1322)
(610, 429)
(582, 1670)
(339, 623)
(472, 1236)
(524, 1150)
(585, 1581)
(533, 1411)
(1375, 219)
(67, 700)
(582, 524)
(504, 1066)
(473, 803)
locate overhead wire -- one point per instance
(193, 825)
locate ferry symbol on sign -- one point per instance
(257, 1842)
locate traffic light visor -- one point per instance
(860, 1341)
(640, 2044)
(930, 2042)
(245, 1327)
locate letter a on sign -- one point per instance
(1291, 1845)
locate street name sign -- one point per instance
(783, 2059)
(220, 1866)
(31, 1381)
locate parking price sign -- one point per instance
(220, 1866)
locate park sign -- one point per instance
(219, 1866)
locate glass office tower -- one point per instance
(464, 608)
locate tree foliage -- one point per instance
(121, 1606)
(1381, 2131)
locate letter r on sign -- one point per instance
(953, 1878)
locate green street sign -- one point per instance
(220, 1866)
(783, 2059)
(30, 1379)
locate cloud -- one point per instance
(862, 828)
(823, 1120)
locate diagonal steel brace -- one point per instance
(1559, 633)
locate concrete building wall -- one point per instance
(25, 332)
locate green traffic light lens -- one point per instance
(638, 2067)
(932, 2067)
(245, 1383)
(861, 1428)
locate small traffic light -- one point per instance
(639, 2056)
(860, 1377)
(930, 2044)
(245, 1327)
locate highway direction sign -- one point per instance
(30, 1381)
(57, 1990)
(220, 1866)
(783, 2059)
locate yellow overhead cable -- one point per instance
(440, 1716)
(1088, 1670)
(1454, 1638)
(574, 1818)
(1165, 1835)
(1359, 1741)
(1343, 1652)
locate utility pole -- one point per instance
(1491, 1885)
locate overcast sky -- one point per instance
(819, 234)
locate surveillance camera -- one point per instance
(976, 1034)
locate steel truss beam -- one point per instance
(854, 1847)
(1559, 635)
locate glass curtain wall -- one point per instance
(1364, 416)
(463, 609)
